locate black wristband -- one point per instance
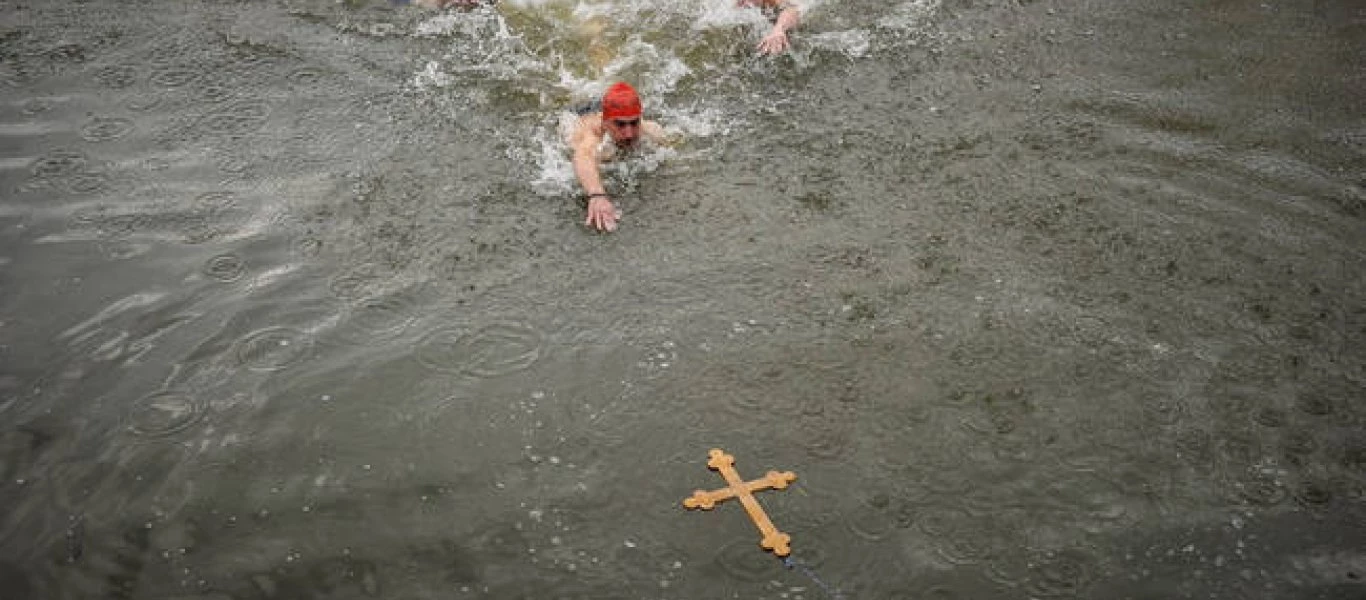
(602, 194)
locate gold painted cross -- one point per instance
(773, 539)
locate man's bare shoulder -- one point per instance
(587, 130)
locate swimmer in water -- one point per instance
(784, 14)
(610, 126)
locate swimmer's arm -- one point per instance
(586, 157)
(602, 215)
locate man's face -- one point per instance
(624, 131)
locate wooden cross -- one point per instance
(773, 539)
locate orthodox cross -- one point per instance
(773, 539)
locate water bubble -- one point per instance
(273, 348)
(165, 413)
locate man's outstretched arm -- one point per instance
(601, 214)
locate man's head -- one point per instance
(621, 114)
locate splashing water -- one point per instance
(541, 58)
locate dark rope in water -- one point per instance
(791, 563)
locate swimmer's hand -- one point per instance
(774, 43)
(602, 215)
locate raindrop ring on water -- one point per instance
(490, 351)
(226, 268)
(175, 77)
(381, 318)
(58, 163)
(743, 560)
(117, 76)
(165, 413)
(273, 348)
(103, 129)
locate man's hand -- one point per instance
(774, 43)
(601, 214)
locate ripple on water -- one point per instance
(232, 163)
(225, 268)
(493, 350)
(304, 76)
(1009, 566)
(1298, 444)
(85, 182)
(1315, 492)
(144, 103)
(1098, 503)
(871, 520)
(117, 76)
(745, 560)
(241, 117)
(104, 129)
(1315, 404)
(214, 92)
(1259, 489)
(165, 413)
(1193, 445)
(357, 283)
(380, 318)
(59, 163)
(35, 106)
(963, 538)
(273, 348)
(176, 77)
(825, 439)
(1270, 416)
(1165, 412)
(1061, 574)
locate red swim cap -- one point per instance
(620, 101)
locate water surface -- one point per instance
(1038, 299)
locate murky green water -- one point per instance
(1038, 299)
